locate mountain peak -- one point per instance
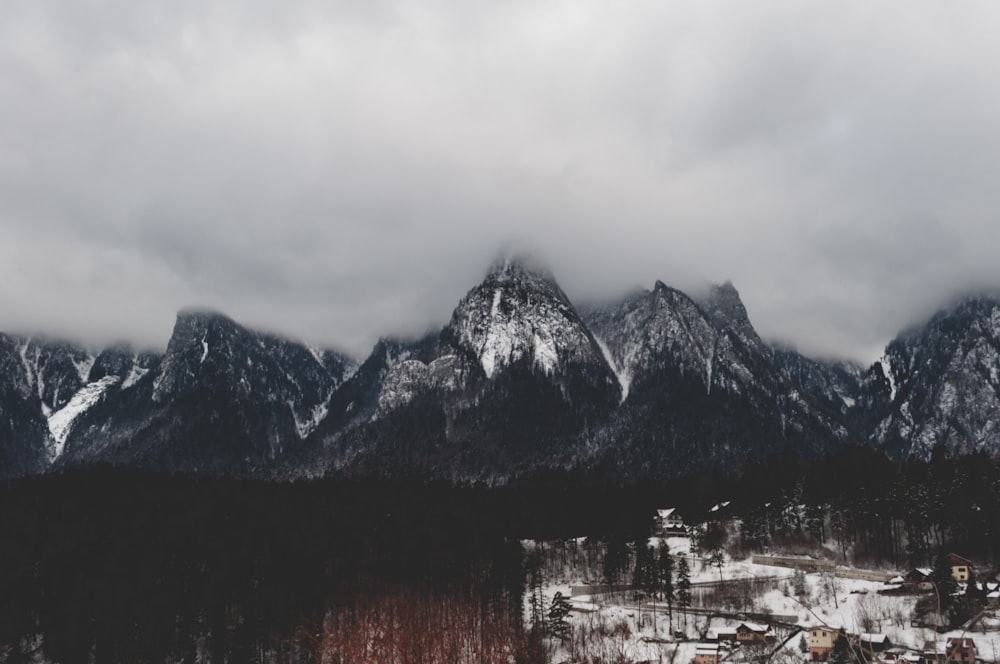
(725, 297)
(519, 311)
(515, 267)
(724, 304)
(202, 317)
(662, 290)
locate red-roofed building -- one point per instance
(961, 568)
(960, 650)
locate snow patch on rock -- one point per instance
(305, 426)
(497, 349)
(134, 375)
(544, 350)
(621, 373)
(83, 367)
(61, 422)
(887, 372)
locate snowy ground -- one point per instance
(618, 627)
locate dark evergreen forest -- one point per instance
(113, 565)
(120, 566)
(872, 511)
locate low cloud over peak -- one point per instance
(340, 171)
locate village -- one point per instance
(782, 608)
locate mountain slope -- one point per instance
(24, 435)
(939, 384)
(654, 386)
(835, 385)
(702, 386)
(511, 382)
(223, 399)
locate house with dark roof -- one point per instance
(748, 632)
(669, 522)
(919, 577)
(874, 642)
(960, 649)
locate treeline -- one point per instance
(871, 510)
(856, 505)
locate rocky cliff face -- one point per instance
(222, 399)
(511, 382)
(702, 388)
(25, 441)
(939, 384)
(834, 385)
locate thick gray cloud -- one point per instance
(341, 170)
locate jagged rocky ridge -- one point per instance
(656, 385)
(702, 388)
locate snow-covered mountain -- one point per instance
(222, 399)
(519, 314)
(512, 382)
(939, 384)
(702, 388)
(654, 385)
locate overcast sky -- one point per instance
(338, 171)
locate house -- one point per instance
(821, 642)
(669, 522)
(961, 568)
(960, 649)
(706, 653)
(873, 643)
(727, 635)
(748, 632)
(932, 653)
(899, 656)
(919, 577)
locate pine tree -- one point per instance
(841, 652)
(717, 560)
(841, 527)
(944, 583)
(536, 598)
(684, 587)
(666, 579)
(558, 612)
(799, 583)
(615, 560)
(652, 583)
(643, 574)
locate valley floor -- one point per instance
(617, 624)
